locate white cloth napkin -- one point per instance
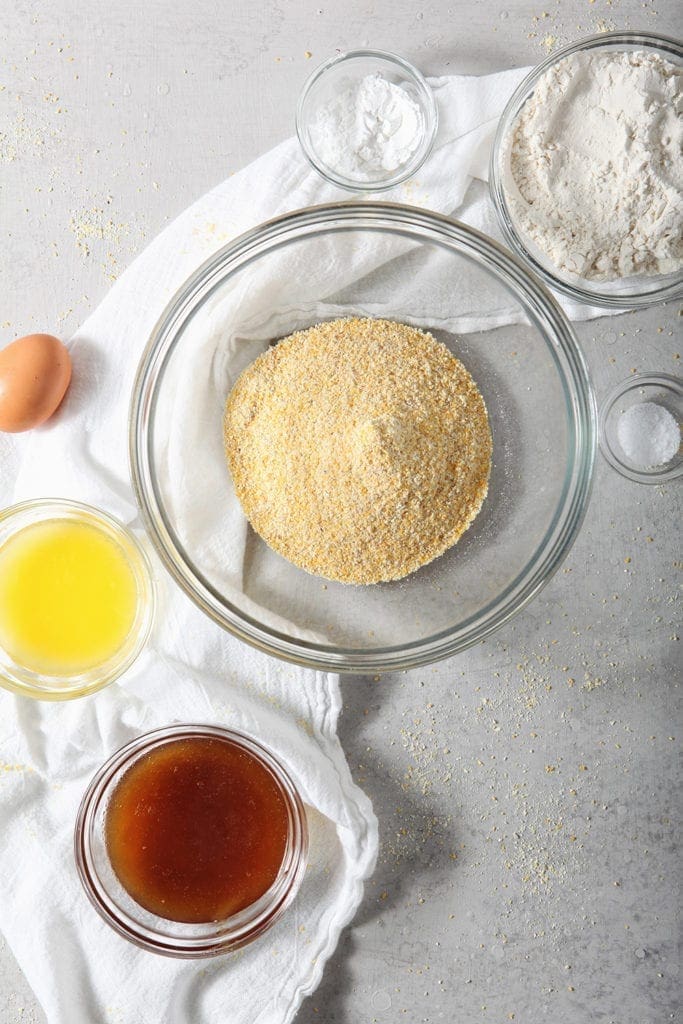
(80, 970)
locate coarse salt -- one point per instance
(648, 434)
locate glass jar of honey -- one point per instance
(191, 841)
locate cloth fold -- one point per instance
(80, 970)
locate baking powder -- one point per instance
(596, 162)
(372, 127)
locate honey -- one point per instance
(197, 829)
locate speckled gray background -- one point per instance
(526, 791)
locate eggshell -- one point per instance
(34, 374)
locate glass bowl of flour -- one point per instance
(586, 174)
(366, 120)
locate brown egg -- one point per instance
(34, 374)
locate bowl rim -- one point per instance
(210, 938)
(671, 289)
(49, 687)
(544, 311)
(671, 470)
(429, 106)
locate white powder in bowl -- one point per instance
(648, 434)
(370, 128)
(595, 164)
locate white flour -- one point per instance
(596, 155)
(372, 127)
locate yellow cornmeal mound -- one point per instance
(360, 449)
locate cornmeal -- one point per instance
(360, 449)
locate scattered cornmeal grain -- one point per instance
(359, 449)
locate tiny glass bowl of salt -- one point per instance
(366, 120)
(640, 428)
(586, 174)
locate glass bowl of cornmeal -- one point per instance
(362, 262)
(76, 599)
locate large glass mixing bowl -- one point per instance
(365, 259)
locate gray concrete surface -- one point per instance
(526, 791)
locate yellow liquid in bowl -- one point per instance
(68, 597)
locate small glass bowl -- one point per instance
(157, 934)
(343, 71)
(43, 686)
(627, 293)
(660, 388)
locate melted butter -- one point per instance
(68, 597)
